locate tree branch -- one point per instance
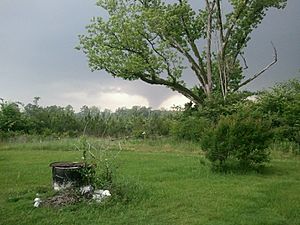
(150, 41)
(220, 22)
(175, 86)
(195, 66)
(208, 52)
(239, 48)
(262, 71)
(229, 31)
(221, 60)
(152, 78)
(245, 62)
(194, 47)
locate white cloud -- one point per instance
(175, 100)
(104, 100)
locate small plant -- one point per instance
(100, 172)
(99, 164)
(89, 160)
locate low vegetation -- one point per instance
(163, 170)
(237, 141)
(227, 157)
(236, 130)
(159, 186)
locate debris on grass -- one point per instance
(59, 187)
(37, 202)
(86, 189)
(100, 195)
(72, 196)
(66, 197)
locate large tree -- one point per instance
(155, 40)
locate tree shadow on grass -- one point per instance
(264, 170)
(272, 170)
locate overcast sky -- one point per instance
(37, 56)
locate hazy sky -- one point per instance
(37, 56)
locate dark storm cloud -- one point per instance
(283, 29)
(37, 56)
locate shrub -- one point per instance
(282, 105)
(215, 106)
(238, 141)
(189, 127)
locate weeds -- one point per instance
(285, 147)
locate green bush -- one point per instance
(189, 127)
(216, 106)
(237, 141)
(282, 105)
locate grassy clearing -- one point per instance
(169, 187)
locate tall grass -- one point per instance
(69, 144)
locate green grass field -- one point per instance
(171, 184)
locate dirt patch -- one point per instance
(68, 197)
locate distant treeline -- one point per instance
(17, 118)
(280, 106)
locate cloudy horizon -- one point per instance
(38, 57)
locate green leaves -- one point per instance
(11, 118)
(282, 104)
(245, 17)
(155, 41)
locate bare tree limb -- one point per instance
(239, 48)
(245, 62)
(209, 7)
(262, 71)
(221, 81)
(221, 60)
(220, 22)
(226, 38)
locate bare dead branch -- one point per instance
(263, 70)
(245, 61)
(239, 48)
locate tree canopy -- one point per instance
(155, 41)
